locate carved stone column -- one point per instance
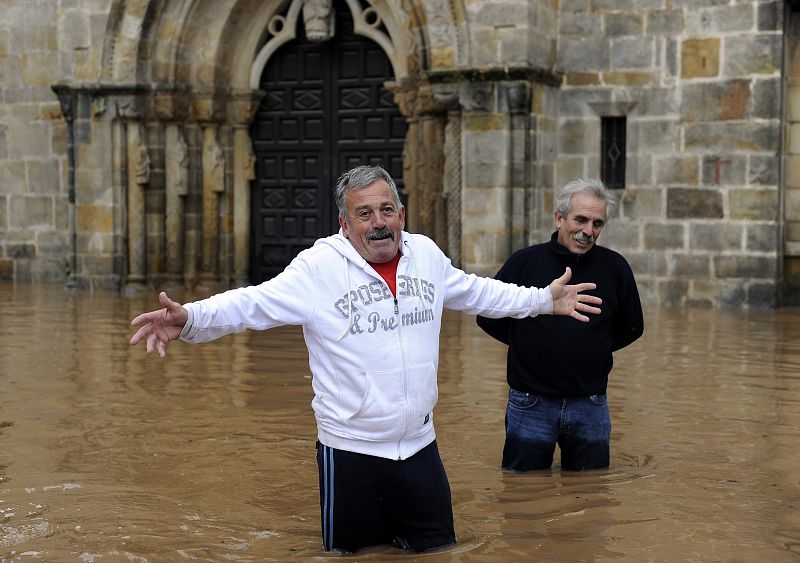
(213, 186)
(242, 111)
(177, 188)
(138, 178)
(452, 184)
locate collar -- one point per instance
(562, 252)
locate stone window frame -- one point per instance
(617, 109)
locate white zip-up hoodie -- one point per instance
(373, 357)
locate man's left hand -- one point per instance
(569, 299)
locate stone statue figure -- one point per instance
(178, 166)
(216, 167)
(318, 19)
(250, 163)
(142, 165)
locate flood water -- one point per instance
(107, 454)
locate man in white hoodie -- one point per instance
(370, 302)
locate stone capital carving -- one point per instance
(171, 106)
(129, 107)
(242, 107)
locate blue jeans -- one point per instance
(535, 424)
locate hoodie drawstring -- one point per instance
(349, 301)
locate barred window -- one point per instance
(612, 157)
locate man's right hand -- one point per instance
(159, 327)
(568, 299)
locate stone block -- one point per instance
(672, 293)
(729, 136)
(582, 78)
(652, 263)
(39, 69)
(568, 168)
(486, 146)
(657, 102)
(583, 54)
(731, 294)
(578, 102)
(578, 136)
(578, 23)
(52, 243)
(762, 295)
(620, 236)
(642, 203)
(769, 16)
(762, 237)
(3, 142)
(6, 270)
(664, 22)
(687, 266)
(17, 251)
(478, 122)
(49, 269)
(620, 24)
(28, 140)
(792, 228)
(3, 213)
(745, 266)
(724, 170)
(791, 203)
(753, 204)
(655, 136)
(766, 98)
(30, 211)
(12, 177)
(627, 78)
(43, 176)
(94, 219)
(715, 101)
(716, 237)
(748, 54)
(574, 6)
(763, 170)
(793, 101)
(700, 58)
(664, 236)
(683, 170)
(671, 58)
(720, 19)
(632, 53)
(687, 203)
(73, 30)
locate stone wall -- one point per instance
(700, 84)
(41, 43)
(705, 218)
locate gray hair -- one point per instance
(361, 177)
(596, 188)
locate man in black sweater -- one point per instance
(558, 370)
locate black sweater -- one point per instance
(560, 356)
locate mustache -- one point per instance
(380, 234)
(583, 239)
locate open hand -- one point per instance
(159, 327)
(568, 299)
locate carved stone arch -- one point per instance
(379, 21)
(127, 41)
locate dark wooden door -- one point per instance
(325, 111)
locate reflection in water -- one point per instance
(107, 454)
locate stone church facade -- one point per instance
(194, 143)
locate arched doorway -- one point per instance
(325, 110)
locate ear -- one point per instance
(558, 219)
(343, 225)
(402, 215)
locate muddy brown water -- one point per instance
(107, 454)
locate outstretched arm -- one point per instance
(159, 327)
(568, 299)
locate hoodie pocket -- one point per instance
(422, 389)
(382, 408)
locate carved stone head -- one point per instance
(318, 20)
